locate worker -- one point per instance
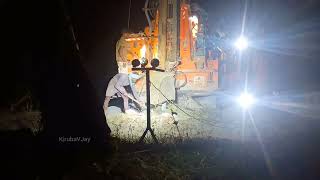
(117, 86)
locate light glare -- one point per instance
(143, 51)
(246, 100)
(241, 43)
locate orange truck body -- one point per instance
(200, 72)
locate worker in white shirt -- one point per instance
(117, 86)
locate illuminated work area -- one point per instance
(192, 73)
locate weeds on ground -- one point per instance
(190, 159)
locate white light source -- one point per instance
(143, 51)
(241, 43)
(246, 100)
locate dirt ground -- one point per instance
(188, 119)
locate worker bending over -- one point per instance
(117, 86)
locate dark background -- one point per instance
(31, 28)
(38, 55)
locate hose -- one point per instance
(214, 125)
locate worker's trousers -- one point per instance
(125, 102)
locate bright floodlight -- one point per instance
(241, 43)
(246, 100)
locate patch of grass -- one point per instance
(192, 159)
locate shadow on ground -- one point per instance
(294, 158)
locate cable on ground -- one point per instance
(182, 109)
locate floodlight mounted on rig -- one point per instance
(154, 64)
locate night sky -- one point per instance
(31, 28)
